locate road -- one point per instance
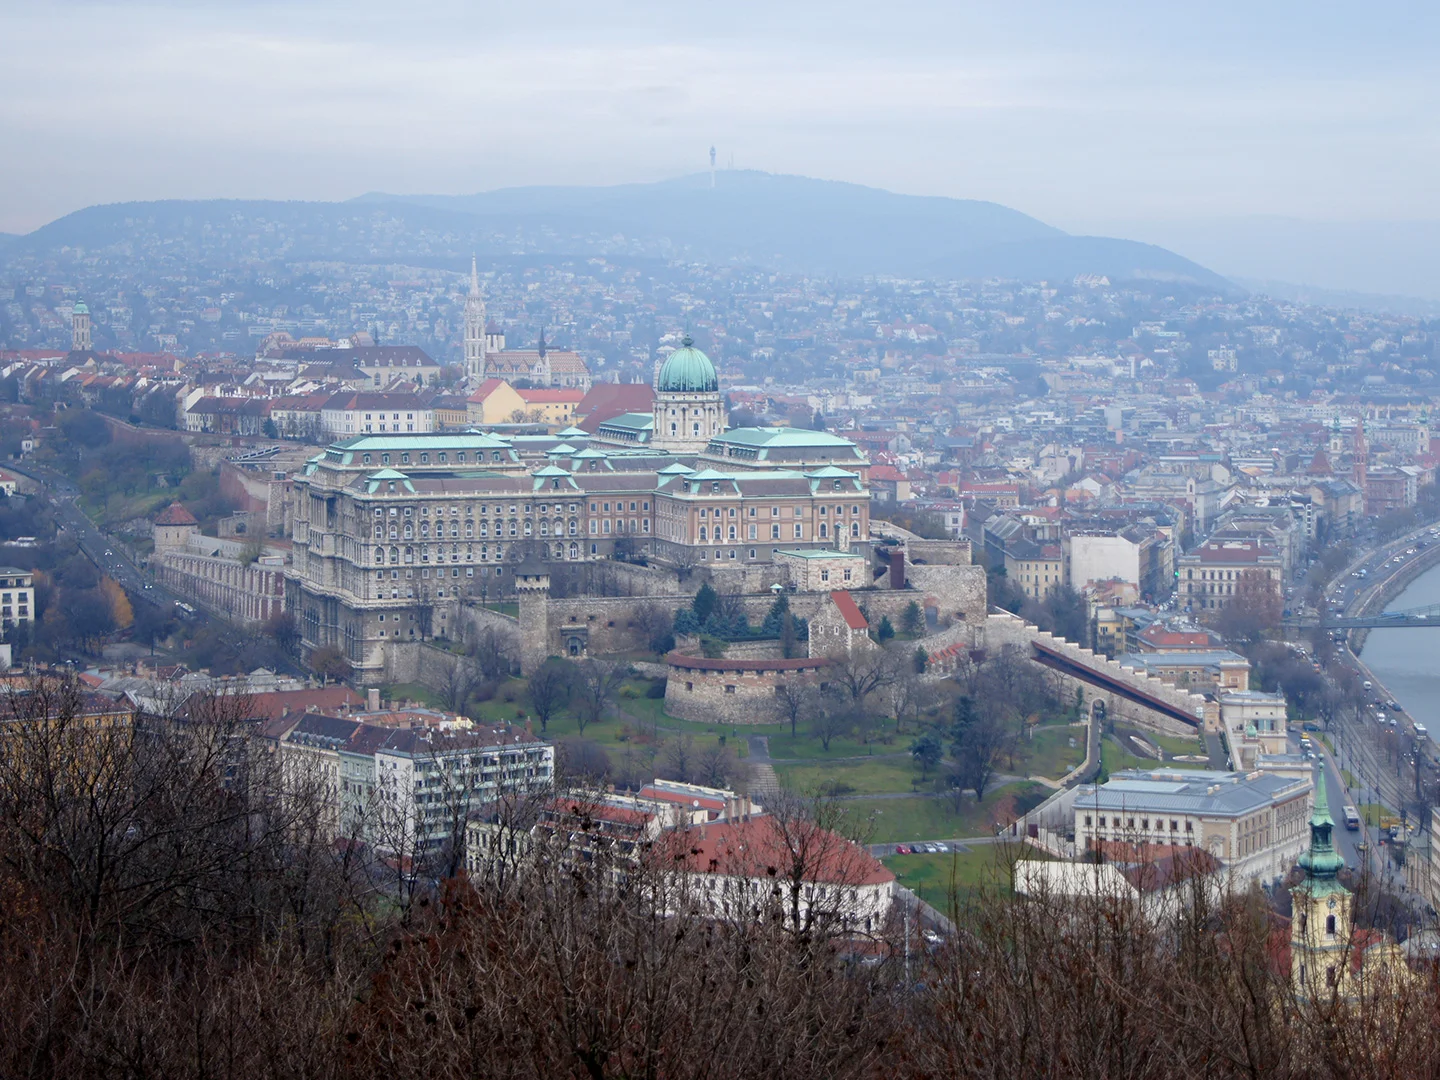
(1360, 740)
(107, 557)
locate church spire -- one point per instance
(474, 277)
(1321, 860)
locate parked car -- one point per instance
(901, 849)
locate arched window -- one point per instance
(1330, 925)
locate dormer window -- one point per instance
(424, 459)
(715, 487)
(365, 459)
(405, 459)
(384, 459)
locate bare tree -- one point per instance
(494, 651)
(550, 687)
(595, 685)
(861, 672)
(456, 683)
(796, 701)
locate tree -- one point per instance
(979, 738)
(456, 683)
(1253, 611)
(885, 631)
(860, 672)
(657, 626)
(920, 659)
(493, 651)
(912, 619)
(704, 604)
(329, 663)
(581, 760)
(283, 629)
(927, 751)
(795, 701)
(832, 718)
(550, 687)
(593, 689)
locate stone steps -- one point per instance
(763, 782)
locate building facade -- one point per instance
(1254, 823)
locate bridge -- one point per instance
(1411, 617)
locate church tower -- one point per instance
(80, 328)
(1320, 925)
(688, 409)
(474, 330)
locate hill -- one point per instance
(821, 226)
(783, 222)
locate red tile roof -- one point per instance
(851, 614)
(175, 514)
(758, 848)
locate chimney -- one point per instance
(897, 569)
(372, 699)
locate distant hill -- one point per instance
(821, 226)
(784, 222)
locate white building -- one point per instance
(349, 414)
(17, 597)
(742, 870)
(1255, 823)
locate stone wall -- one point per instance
(731, 691)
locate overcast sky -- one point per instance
(1091, 116)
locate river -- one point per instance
(1408, 661)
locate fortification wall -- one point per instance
(1005, 629)
(706, 692)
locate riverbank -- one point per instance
(1380, 596)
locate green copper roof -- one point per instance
(573, 432)
(80, 308)
(1321, 861)
(688, 370)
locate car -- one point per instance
(901, 849)
(1410, 551)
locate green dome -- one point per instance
(688, 370)
(80, 308)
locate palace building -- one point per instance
(393, 533)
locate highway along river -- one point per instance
(1408, 661)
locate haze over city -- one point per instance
(1129, 120)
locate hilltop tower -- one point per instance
(80, 328)
(474, 330)
(1320, 926)
(532, 590)
(688, 408)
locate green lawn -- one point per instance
(1115, 758)
(920, 818)
(1348, 777)
(1049, 753)
(878, 777)
(1174, 744)
(1372, 812)
(783, 745)
(937, 879)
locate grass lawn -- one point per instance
(878, 777)
(1049, 753)
(919, 818)
(1372, 812)
(783, 745)
(1348, 777)
(937, 879)
(1115, 758)
(1173, 744)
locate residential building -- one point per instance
(1212, 574)
(17, 597)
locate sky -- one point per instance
(1121, 118)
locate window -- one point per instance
(1330, 925)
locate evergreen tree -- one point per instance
(912, 620)
(704, 604)
(885, 631)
